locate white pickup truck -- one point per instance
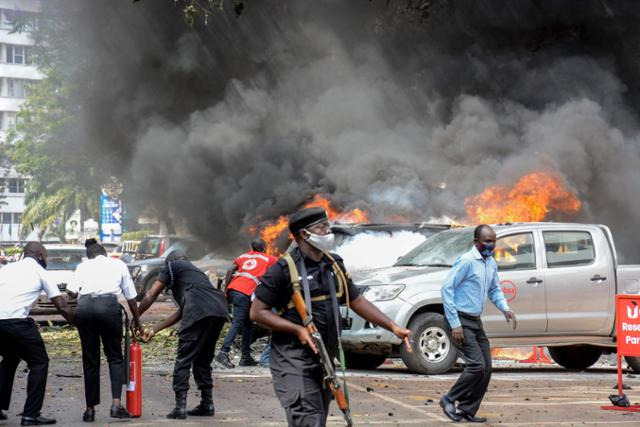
(560, 279)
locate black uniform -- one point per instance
(297, 375)
(204, 311)
(100, 318)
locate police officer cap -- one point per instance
(305, 218)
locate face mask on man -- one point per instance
(323, 242)
(42, 262)
(486, 250)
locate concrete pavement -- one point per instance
(519, 395)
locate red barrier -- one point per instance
(628, 338)
(134, 389)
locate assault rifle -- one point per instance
(328, 369)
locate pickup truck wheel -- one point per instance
(433, 352)
(634, 363)
(364, 361)
(578, 357)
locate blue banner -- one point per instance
(110, 218)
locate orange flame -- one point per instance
(535, 197)
(274, 230)
(510, 353)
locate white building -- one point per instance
(18, 69)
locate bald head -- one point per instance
(37, 251)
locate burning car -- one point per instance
(543, 267)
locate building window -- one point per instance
(6, 217)
(17, 218)
(16, 54)
(8, 119)
(25, 20)
(16, 185)
(18, 88)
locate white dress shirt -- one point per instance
(21, 283)
(103, 275)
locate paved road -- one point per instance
(519, 395)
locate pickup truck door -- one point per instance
(580, 280)
(522, 284)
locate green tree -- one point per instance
(62, 180)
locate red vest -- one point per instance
(251, 266)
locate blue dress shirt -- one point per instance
(472, 278)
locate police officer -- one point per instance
(242, 279)
(472, 278)
(203, 311)
(297, 376)
(98, 282)
(20, 286)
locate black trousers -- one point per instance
(20, 340)
(100, 319)
(196, 348)
(472, 384)
(304, 397)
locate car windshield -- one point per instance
(440, 250)
(150, 246)
(64, 259)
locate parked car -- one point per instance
(145, 271)
(156, 245)
(560, 279)
(126, 250)
(61, 263)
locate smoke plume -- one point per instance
(402, 108)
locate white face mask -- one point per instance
(321, 242)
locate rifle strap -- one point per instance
(295, 284)
(336, 314)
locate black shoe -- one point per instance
(449, 408)
(247, 361)
(2, 416)
(119, 412)
(205, 408)
(36, 421)
(202, 410)
(180, 411)
(223, 359)
(89, 415)
(470, 418)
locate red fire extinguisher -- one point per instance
(134, 388)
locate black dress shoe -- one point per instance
(89, 415)
(36, 421)
(119, 412)
(2, 416)
(471, 418)
(223, 359)
(247, 361)
(449, 409)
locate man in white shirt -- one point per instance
(20, 286)
(99, 281)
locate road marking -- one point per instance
(399, 403)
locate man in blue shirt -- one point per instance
(473, 278)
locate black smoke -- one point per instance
(400, 107)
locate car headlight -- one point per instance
(382, 292)
(135, 271)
